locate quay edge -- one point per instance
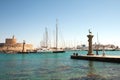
(98, 58)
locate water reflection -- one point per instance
(91, 73)
(91, 69)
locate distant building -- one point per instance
(107, 47)
(12, 45)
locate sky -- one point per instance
(27, 19)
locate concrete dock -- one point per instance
(115, 59)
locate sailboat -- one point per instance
(44, 44)
(56, 50)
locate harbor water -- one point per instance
(56, 66)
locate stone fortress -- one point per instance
(11, 46)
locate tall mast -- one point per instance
(97, 39)
(46, 35)
(97, 45)
(56, 33)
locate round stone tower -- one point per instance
(11, 41)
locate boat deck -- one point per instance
(106, 58)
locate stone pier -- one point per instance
(90, 56)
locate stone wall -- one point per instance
(12, 45)
(15, 47)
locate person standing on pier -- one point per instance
(96, 48)
(103, 50)
(97, 52)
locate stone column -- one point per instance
(23, 50)
(90, 51)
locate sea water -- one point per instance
(56, 66)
